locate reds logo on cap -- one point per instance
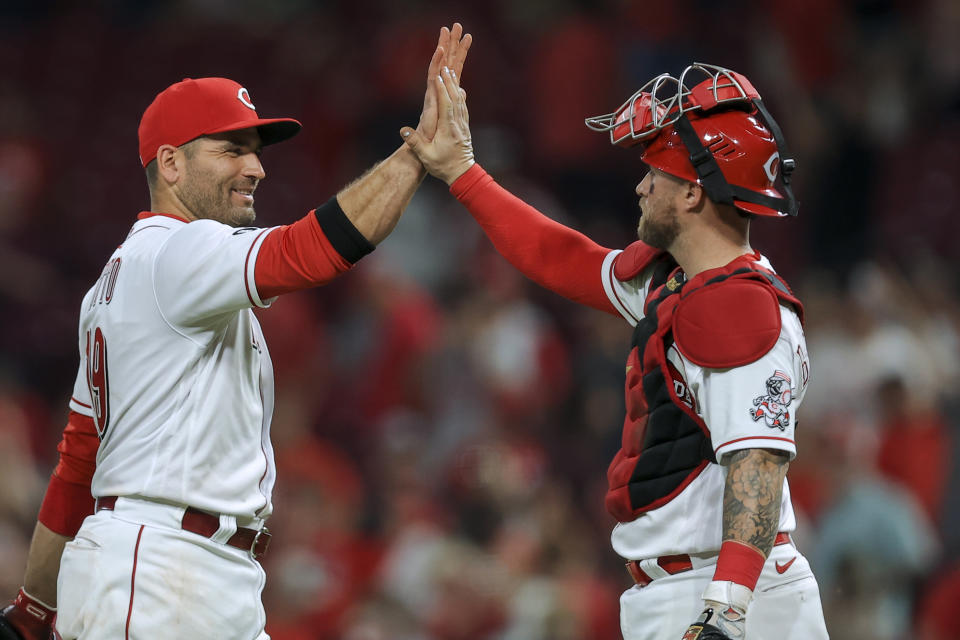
(203, 106)
(244, 96)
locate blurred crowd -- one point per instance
(443, 426)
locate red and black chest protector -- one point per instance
(727, 318)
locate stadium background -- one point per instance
(443, 426)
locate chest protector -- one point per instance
(721, 318)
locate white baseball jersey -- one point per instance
(175, 371)
(753, 406)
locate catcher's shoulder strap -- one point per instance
(733, 319)
(637, 257)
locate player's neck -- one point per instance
(698, 250)
(168, 203)
(711, 238)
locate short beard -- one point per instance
(662, 233)
(199, 193)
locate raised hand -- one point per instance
(450, 153)
(451, 52)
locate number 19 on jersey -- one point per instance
(97, 380)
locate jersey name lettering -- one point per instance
(680, 387)
(103, 293)
(804, 366)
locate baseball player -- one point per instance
(718, 364)
(169, 423)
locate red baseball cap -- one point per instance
(197, 107)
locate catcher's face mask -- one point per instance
(717, 133)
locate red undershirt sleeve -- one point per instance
(310, 252)
(68, 500)
(552, 255)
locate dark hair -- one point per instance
(153, 172)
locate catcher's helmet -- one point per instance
(717, 134)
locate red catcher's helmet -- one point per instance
(717, 134)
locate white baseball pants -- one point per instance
(785, 606)
(133, 573)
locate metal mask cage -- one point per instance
(664, 99)
(658, 98)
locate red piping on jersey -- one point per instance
(85, 406)
(149, 214)
(133, 581)
(143, 228)
(266, 460)
(246, 265)
(755, 438)
(616, 294)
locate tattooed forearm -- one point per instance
(751, 498)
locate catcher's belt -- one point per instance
(672, 565)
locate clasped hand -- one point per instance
(442, 139)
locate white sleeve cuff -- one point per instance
(250, 269)
(757, 442)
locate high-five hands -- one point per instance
(451, 52)
(450, 153)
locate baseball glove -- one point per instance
(702, 629)
(6, 631)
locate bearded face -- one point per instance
(211, 195)
(660, 229)
(659, 224)
(221, 173)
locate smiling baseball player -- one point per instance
(170, 416)
(718, 364)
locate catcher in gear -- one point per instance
(698, 487)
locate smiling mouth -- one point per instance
(245, 194)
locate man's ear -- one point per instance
(693, 196)
(169, 166)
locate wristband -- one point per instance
(29, 615)
(341, 232)
(729, 594)
(740, 563)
